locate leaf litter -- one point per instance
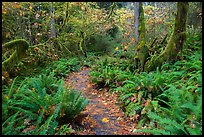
(101, 116)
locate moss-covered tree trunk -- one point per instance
(141, 48)
(176, 41)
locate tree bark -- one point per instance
(136, 24)
(176, 41)
(52, 22)
(129, 10)
(141, 48)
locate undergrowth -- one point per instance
(165, 101)
(39, 106)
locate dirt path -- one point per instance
(102, 116)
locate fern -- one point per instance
(32, 101)
(166, 126)
(133, 108)
(9, 128)
(73, 104)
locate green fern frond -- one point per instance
(153, 131)
(126, 96)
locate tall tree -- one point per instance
(136, 22)
(141, 48)
(176, 41)
(129, 9)
(52, 21)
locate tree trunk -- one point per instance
(141, 48)
(52, 22)
(129, 10)
(136, 24)
(176, 41)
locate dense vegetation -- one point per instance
(61, 37)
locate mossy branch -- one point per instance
(20, 46)
(111, 11)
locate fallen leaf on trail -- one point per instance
(105, 120)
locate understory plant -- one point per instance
(39, 105)
(165, 101)
(63, 66)
(179, 106)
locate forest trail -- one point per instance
(102, 116)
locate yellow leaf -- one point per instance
(7, 97)
(125, 48)
(30, 7)
(116, 48)
(105, 120)
(3, 11)
(3, 78)
(143, 111)
(82, 8)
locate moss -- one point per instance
(141, 23)
(20, 46)
(142, 49)
(176, 41)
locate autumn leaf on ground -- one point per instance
(105, 120)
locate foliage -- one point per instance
(110, 71)
(63, 66)
(20, 46)
(43, 102)
(165, 101)
(101, 43)
(180, 106)
(182, 117)
(168, 100)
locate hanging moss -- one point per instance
(20, 46)
(176, 41)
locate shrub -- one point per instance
(101, 44)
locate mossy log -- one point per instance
(176, 41)
(20, 46)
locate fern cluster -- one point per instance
(63, 66)
(166, 101)
(110, 74)
(41, 103)
(180, 103)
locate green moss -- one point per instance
(142, 49)
(141, 23)
(20, 46)
(176, 41)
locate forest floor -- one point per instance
(102, 115)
